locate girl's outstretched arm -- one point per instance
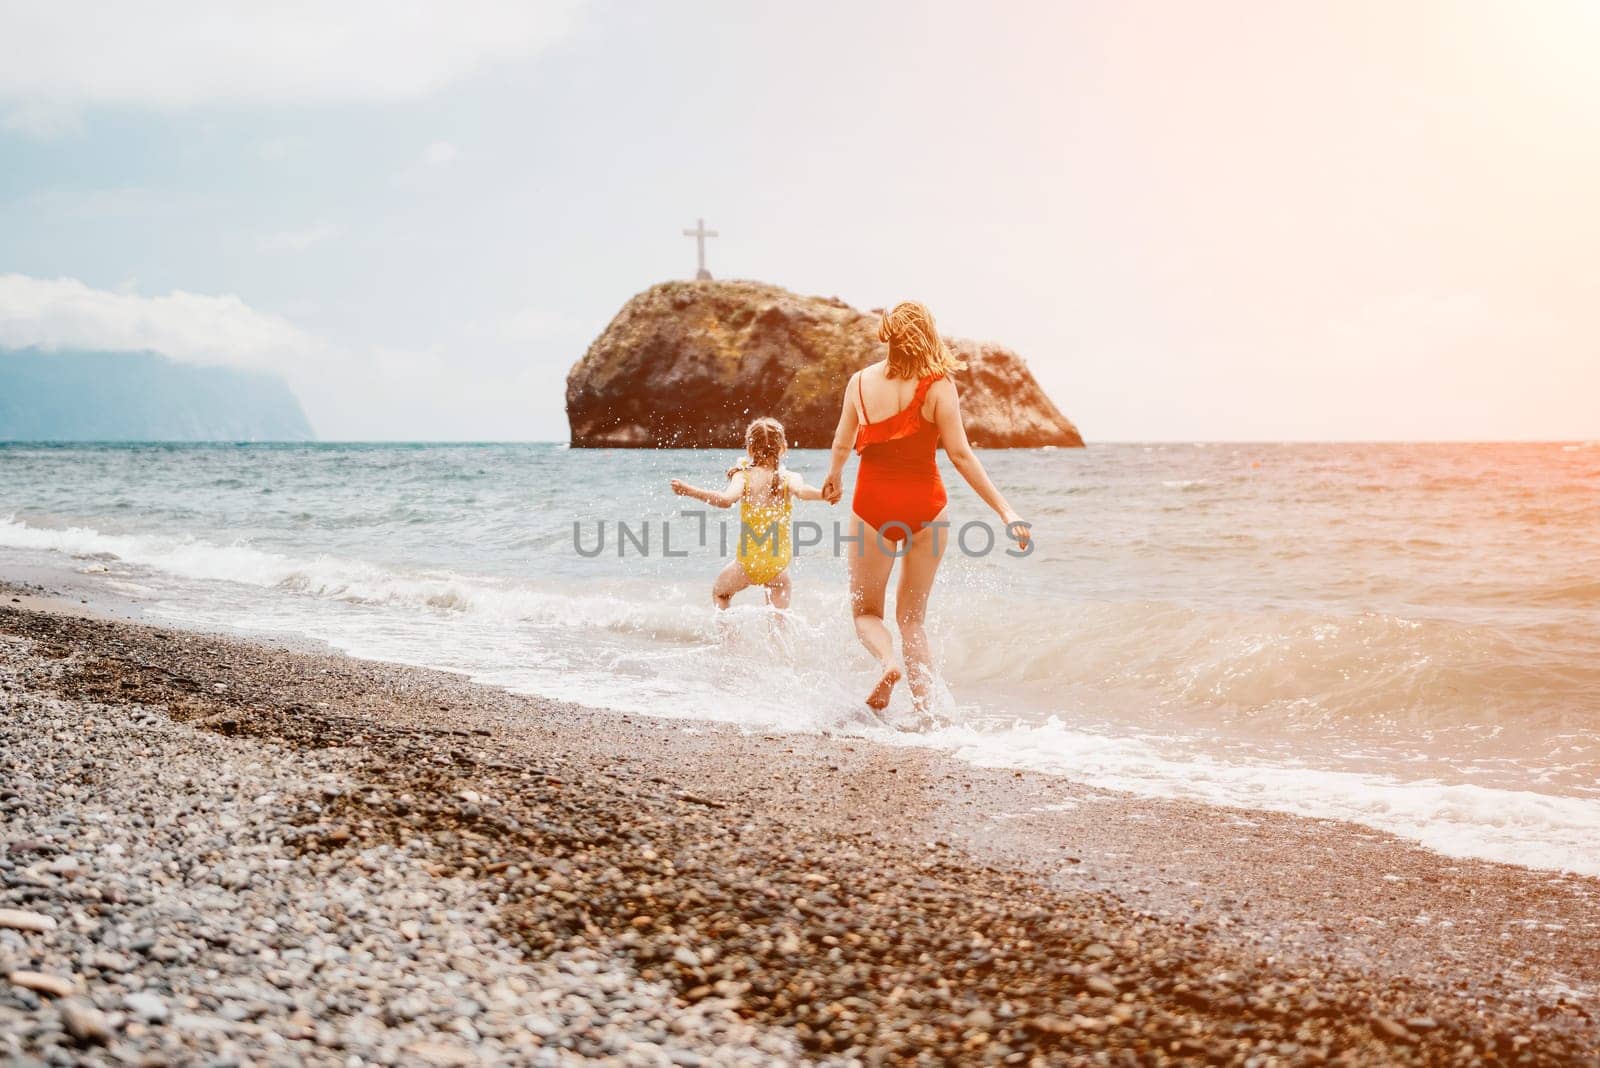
(947, 414)
(726, 499)
(798, 487)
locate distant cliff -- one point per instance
(689, 364)
(140, 396)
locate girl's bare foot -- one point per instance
(879, 697)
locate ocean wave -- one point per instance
(1520, 827)
(360, 582)
(1283, 670)
(646, 646)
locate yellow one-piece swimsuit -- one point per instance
(763, 556)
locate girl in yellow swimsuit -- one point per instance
(765, 492)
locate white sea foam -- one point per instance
(359, 582)
(1151, 672)
(1457, 819)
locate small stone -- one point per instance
(150, 1008)
(18, 920)
(1099, 985)
(438, 1053)
(111, 962)
(84, 1022)
(54, 985)
(1097, 951)
(404, 1010)
(1050, 1025)
(1389, 1029)
(1422, 1023)
(410, 930)
(67, 867)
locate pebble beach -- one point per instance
(223, 850)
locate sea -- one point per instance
(1404, 636)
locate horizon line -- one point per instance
(818, 448)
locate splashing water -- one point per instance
(1404, 636)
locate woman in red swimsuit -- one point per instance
(895, 414)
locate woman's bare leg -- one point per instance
(730, 580)
(869, 577)
(917, 572)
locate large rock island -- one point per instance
(140, 396)
(689, 364)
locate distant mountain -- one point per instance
(140, 396)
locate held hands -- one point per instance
(681, 488)
(830, 489)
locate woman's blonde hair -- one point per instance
(766, 441)
(915, 348)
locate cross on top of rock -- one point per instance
(700, 233)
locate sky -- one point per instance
(1236, 221)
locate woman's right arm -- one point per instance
(843, 437)
(947, 414)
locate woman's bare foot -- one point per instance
(879, 697)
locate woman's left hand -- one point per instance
(1018, 530)
(830, 489)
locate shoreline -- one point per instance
(819, 892)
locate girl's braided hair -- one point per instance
(766, 441)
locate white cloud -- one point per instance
(367, 392)
(57, 56)
(63, 313)
(440, 153)
(299, 240)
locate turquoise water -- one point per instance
(1403, 635)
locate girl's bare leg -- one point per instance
(917, 572)
(730, 580)
(869, 577)
(779, 591)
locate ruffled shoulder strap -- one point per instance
(904, 423)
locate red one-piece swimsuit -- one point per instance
(898, 481)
